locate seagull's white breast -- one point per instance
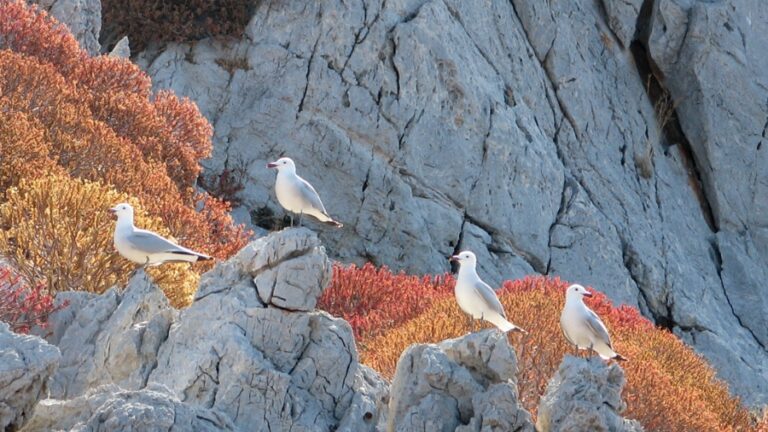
(468, 299)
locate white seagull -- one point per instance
(145, 247)
(296, 194)
(582, 327)
(476, 297)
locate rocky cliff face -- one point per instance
(615, 143)
(233, 361)
(237, 359)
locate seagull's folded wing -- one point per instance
(309, 196)
(489, 297)
(151, 243)
(597, 327)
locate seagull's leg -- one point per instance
(300, 216)
(291, 216)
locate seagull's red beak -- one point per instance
(112, 212)
(454, 259)
(587, 294)
(271, 165)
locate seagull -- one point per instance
(582, 327)
(296, 194)
(145, 247)
(476, 297)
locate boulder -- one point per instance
(110, 339)
(464, 384)
(26, 363)
(111, 408)
(250, 353)
(585, 395)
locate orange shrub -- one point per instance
(57, 230)
(97, 121)
(374, 300)
(669, 387)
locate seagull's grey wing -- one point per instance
(149, 242)
(489, 296)
(597, 327)
(309, 195)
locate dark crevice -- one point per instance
(718, 260)
(670, 131)
(629, 259)
(309, 70)
(566, 199)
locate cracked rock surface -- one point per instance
(464, 384)
(26, 363)
(523, 130)
(585, 394)
(82, 17)
(236, 359)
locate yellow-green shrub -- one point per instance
(57, 229)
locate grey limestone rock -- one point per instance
(463, 384)
(121, 49)
(584, 395)
(26, 363)
(82, 17)
(111, 408)
(237, 358)
(111, 338)
(522, 130)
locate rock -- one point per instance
(82, 17)
(413, 122)
(463, 384)
(230, 360)
(111, 408)
(584, 394)
(291, 270)
(121, 49)
(26, 363)
(111, 338)
(258, 356)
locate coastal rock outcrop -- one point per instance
(250, 353)
(585, 394)
(26, 363)
(594, 141)
(465, 384)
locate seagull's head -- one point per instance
(577, 291)
(465, 257)
(121, 210)
(284, 163)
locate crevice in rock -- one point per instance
(309, 71)
(718, 261)
(665, 108)
(660, 318)
(566, 198)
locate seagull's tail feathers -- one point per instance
(189, 256)
(324, 218)
(607, 353)
(504, 325)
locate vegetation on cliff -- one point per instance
(79, 134)
(669, 387)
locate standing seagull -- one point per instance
(296, 194)
(145, 247)
(475, 297)
(582, 327)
